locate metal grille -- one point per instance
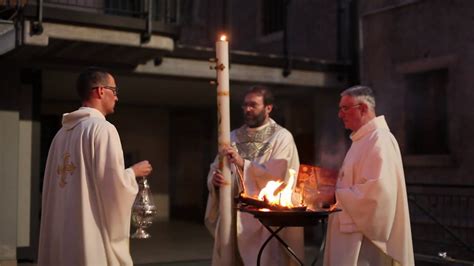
(162, 10)
(442, 219)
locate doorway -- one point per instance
(192, 150)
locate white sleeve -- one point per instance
(117, 187)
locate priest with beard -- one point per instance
(261, 151)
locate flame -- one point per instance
(282, 198)
(223, 38)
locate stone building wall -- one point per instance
(312, 27)
(418, 56)
(402, 42)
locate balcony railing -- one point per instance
(147, 16)
(442, 218)
(165, 11)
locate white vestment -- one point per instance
(268, 152)
(373, 227)
(87, 195)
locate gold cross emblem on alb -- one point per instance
(64, 169)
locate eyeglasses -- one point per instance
(249, 105)
(112, 88)
(346, 109)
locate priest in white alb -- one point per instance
(262, 151)
(87, 192)
(373, 227)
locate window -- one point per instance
(426, 116)
(273, 12)
(124, 8)
(166, 11)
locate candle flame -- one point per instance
(223, 38)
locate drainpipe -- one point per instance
(146, 36)
(287, 69)
(37, 26)
(355, 52)
(348, 37)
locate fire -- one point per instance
(223, 38)
(282, 198)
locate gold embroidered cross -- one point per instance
(62, 170)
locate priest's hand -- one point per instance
(217, 178)
(233, 156)
(142, 168)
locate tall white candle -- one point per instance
(226, 232)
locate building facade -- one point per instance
(418, 56)
(415, 54)
(158, 50)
